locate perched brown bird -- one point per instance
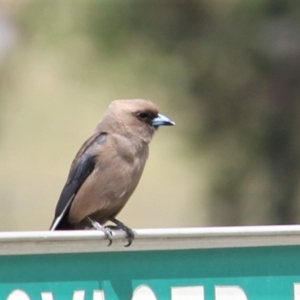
(108, 167)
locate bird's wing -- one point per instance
(82, 166)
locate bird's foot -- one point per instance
(119, 225)
(97, 226)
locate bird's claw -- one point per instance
(107, 231)
(119, 225)
(130, 237)
(108, 235)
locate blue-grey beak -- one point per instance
(162, 120)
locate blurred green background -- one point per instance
(227, 72)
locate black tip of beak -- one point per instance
(162, 120)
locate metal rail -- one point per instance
(44, 242)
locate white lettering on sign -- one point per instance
(18, 295)
(143, 292)
(47, 296)
(187, 293)
(296, 291)
(233, 292)
(77, 295)
(98, 295)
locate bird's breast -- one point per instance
(110, 185)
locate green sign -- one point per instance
(217, 273)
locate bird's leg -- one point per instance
(98, 226)
(119, 225)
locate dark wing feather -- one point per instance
(82, 166)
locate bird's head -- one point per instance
(137, 117)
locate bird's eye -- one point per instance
(143, 115)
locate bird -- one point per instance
(108, 167)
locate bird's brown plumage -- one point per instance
(109, 165)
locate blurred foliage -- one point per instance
(240, 65)
(230, 68)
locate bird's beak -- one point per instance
(162, 120)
